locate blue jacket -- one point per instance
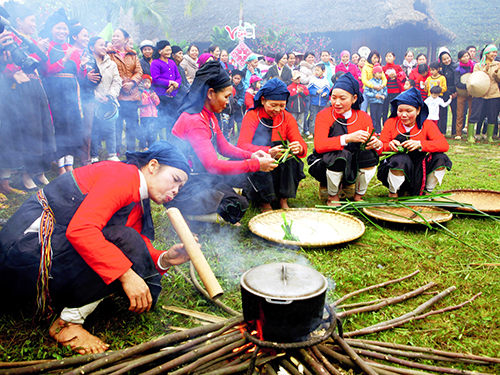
(370, 93)
(240, 93)
(317, 87)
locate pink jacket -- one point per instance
(149, 102)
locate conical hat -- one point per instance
(478, 84)
(463, 79)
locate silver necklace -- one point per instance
(347, 124)
(404, 134)
(272, 127)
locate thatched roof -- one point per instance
(306, 16)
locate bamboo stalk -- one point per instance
(325, 361)
(152, 345)
(355, 293)
(317, 367)
(404, 318)
(404, 362)
(195, 314)
(402, 353)
(300, 366)
(429, 350)
(355, 358)
(243, 366)
(216, 363)
(25, 363)
(289, 367)
(389, 301)
(193, 355)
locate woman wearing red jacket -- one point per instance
(395, 81)
(423, 163)
(209, 195)
(339, 157)
(95, 227)
(264, 128)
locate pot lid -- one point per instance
(284, 280)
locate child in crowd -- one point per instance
(434, 101)
(435, 78)
(148, 112)
(296, 102)
(239, 96)
(409, 83)
(255, 82)
(318, 89)
(376, 98)
(419, 75)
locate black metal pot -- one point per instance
(284, 302)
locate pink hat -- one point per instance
(377, 68)
(254, 78)
(345, 52)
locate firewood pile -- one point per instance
(225, 347)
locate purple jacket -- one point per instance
(162, 73)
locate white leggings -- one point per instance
(334, 179)
(433, 178)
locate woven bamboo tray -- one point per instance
(484, 200)
(405, 215)
(314, 227)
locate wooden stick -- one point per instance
(317, 367)
(269, 369)
(24, 363)
(389, 301)
(243, 366)
(359, 304)
(195, 314)
(389, 324)
(402, 353)
(289, 367)
(325, 361)
(355, 293)
(193, 249)
(429, 350)
(404, 362)
(395, 370)
(152, 345)
(355, 358)
(300, 366)
(207, 296)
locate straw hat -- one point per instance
(478, 84)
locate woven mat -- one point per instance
(314, 227)
(405, 215)
(484, 200)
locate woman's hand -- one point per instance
(411, 145)
(67, 54)
(359, 136)
(137, 291)
(173, 84)
(374, 143)
(128, 86)
(295, 147)
(21, 77)
(259, 154)
(394, 144)
(174, 256)
(276, 152)
(267, 164)
(93, 76)
(378, 88)
(43, 44)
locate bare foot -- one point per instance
(357, 197)
(393, 195)
(62, 170)
(333, 200)
(284, 203)
(3, 198)
(5, 188)
(266, 207)
(42, 178)
(78, 338)
(28, 182)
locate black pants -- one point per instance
(484, 108)
(443, 118)
(376, 115)
(128, 113)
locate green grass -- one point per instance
(371, 259)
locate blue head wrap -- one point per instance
(411, 97)
(274, 89)
(348, 83)
(165, 153)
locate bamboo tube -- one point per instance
(197, 258)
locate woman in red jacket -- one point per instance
(263, 128)
(209, 195)
(395, 81)
(95, 227)
(423, 163)
(341, 129)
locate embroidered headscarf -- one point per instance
(414, 98)
(489, 48)
(274, 89)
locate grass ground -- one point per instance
(371, 259)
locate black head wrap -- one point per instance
(348, 83)
(164, 152)
(210, 75)
(237, 72)
(17, 10)
(57, 17)
(414, 98)
(274, 89)
(279, 56)
(176, 49)
(159, 46)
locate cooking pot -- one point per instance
(284, 302)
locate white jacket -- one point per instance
(111, 83)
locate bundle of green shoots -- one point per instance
(287, 228)
(433, 200)
(363, 145)
(288, 152)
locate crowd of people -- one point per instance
(181, 113)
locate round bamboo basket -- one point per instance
(314, 227)
(406, 215)
(484, 200)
